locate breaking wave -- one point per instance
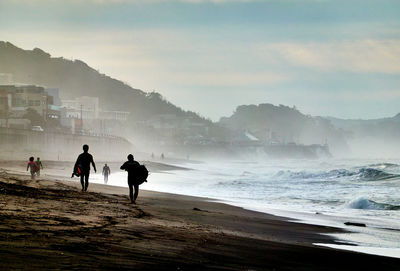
(366, 204)
(375, 174)
(384, 165)
(361, 174)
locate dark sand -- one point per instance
(49, 224)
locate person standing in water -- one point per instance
(39, 166)
(132, 167)
(84, 160)
(106, 172)
(32, 166)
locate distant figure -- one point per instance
(39, 166)
(83, 163)
(132, 167)
(162, 156)
(106, 172)
(32, 166)
(152, 155)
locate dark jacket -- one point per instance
(84, 160)
(132, 168)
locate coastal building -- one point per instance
(114, 115)
(55, 93)
(82, 107)
(15, 123)
(16, 99)
(24, 96)
(83, 115)
(4, 104)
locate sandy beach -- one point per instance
(49, 224)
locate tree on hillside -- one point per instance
(35, 118)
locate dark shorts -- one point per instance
(132, 182)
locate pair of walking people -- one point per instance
(34, 166)
(85, 159)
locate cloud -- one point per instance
(225, 79)
(371, 96)
(108, 2)
(136, 1)
(366, 56)
(192, 68)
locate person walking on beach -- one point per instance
(132, 167)
(106, 172)
(39, 166)
(32, 166)
(84, 160)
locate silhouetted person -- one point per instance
(132, 167)
(32, 166)
(162, 156)
(106, 172)
(39, 166)
(84, 160)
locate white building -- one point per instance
(83, 113)
(87, 106)
(114, 115)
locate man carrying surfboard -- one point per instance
(137, 174)
(83, 164)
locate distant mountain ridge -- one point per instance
(385, 128)
(372, 138)
(284, 124)
(76, 78)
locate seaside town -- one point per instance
(39, 109)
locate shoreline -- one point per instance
(346, 240)
(183, 231)
(348, 227)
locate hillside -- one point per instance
(386, 127)
(76, 78)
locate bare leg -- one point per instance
(82, 182)
(136, 193)
(131, 192)
(86, 181)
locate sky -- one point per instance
(329, 58)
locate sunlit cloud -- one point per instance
(367, 95)
(136, 1)
(226, 79)
(367, 56)
(107, 2)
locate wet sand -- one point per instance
(49, 224)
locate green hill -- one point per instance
(76, 78)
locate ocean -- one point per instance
(326, 192)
